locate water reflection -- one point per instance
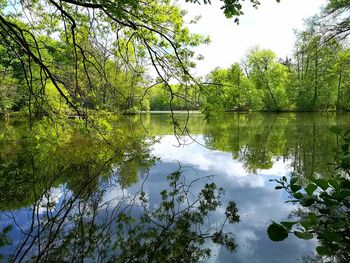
(50, 183)
(70, 201)
(256, 140)
(255, 196)
(66, 193)
(113, 224)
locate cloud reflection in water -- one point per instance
(257, 200)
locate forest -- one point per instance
(87, 68)
(102, 158)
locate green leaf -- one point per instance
(322, 183)
(288, 225)
(338, 225)
(303, 235)
(312, 217)
(341, 195)
(346, 158)
(298, 195)
(310, 189)
(345, 193)
(345, 147)
(345, 184)
(332, 236)
(293, 180)
(295, 187)
(7, 229)
(307, 224)
(324, 211)
(277, 232)
(330, 201)
(335, 130)
(308, 201)
(334, 183)
(323, 251)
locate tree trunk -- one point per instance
(316, 80)
(339, 84)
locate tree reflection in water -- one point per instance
(72, 217)
(324, 207)
(70, 227)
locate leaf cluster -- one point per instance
(325, 212)
(177, 229)
(231, 8)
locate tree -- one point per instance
(334, 21)
(86, 222)
(151, 31)
(9, 94)
(144, 28)
(10, 88)
(230, 90)
(343, 86)
(269, 76)
(315, 62)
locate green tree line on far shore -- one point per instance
(47, 68)
(316, 78)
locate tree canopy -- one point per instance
(85, 51)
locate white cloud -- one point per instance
(247, 240)
(50, 200)
(216, 162)
(270, 26)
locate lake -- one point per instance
(63, 188)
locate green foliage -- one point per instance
(342, 70)
(326, 204)
(277, 232)
(94, 62)
(72, 63)
(229, 90)
(9, 98)
(10, 95)
(62, 153)
(173, 97)
(170, 232)
(316, 78)
(232, 8)
(269, 76)
(4, 240)
(257, 140)
(128, 229)
(316, 62)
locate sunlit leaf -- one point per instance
(310, 189)
(321, 183)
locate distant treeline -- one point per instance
(316, 78)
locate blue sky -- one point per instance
(271, 26)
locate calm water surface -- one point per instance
(41, 174)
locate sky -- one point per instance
(270, 26)
(257, 200)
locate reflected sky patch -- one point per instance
(256, 198)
